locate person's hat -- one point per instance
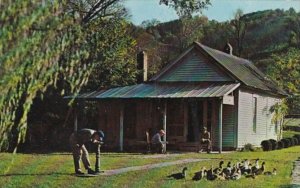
(101, 135)
(162, 132)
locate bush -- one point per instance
(274, 144)
(297, 136)
(280, 144)
(286, 142)
(266, 145)
(296, 141)
(248, 147)
(291, 141)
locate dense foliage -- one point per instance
(51, 43)
(54, 48)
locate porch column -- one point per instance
(220, 124)
(121, 127)
(75, 119)
(165, 125)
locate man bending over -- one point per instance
(77, 141)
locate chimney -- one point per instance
(142, 67)
(228, 48)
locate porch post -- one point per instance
(121, 127)
(165, 125)
(220, 124)
(75, 119)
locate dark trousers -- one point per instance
(80, 152)
(207, 142)
(157, 148)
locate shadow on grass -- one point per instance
(38, 174)
(290, 186)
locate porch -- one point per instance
(125, 119)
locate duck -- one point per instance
(180, 175)
(237, 175)
(210, 175)
(260, 170)
(246, 168)
(253, 176)
(219, 169)
(256, 166)
(233, 170)
(227, 170)
(221, 176)
(273, 173)
(200, 175)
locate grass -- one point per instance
(289, 134)
(292, 122)
(56, 170)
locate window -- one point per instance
(254, 110)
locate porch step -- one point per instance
(188, 146)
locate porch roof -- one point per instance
(162, 90)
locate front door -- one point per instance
(195, 120)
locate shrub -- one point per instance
(266, 145)
(286, 142)
(248, 147)
(280, 144)
(291, 141)
(296, 141)
(274, 144)
(297, 136)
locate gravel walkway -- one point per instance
(150, 166)
(296, 174)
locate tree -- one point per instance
(33, 38)
(279, 111)
(186, 8)
(48, 44)
(239, 28)
(285, 71)
(44, 43)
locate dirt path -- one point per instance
(296, 174)
(150, 166)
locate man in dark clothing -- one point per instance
(77, 141)
(206, 139)
(156, 142)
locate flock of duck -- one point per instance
(230, 172)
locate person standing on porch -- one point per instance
(205, 139)
(156, 142)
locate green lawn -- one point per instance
(290, 122)
(56, 170)
(289, 134)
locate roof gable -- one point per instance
(243, 70)
(194, 68)
(233, 69)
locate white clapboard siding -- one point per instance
(264, 128)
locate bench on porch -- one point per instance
(141, 145)
(191, 146)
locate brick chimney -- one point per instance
(142, 67)
(228, 48)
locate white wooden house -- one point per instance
(203, 87)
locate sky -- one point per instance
(220, 10)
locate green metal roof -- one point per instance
(163, 90)
(240, 69)
(244, 70)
